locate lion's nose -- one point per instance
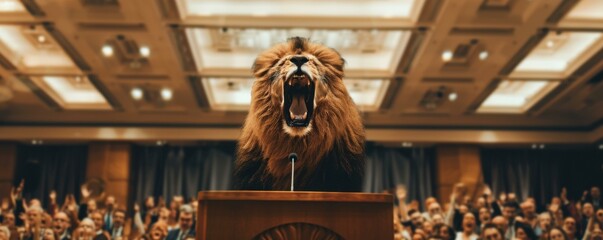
(299, 60)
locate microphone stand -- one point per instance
(292, 158)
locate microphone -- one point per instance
(292, 158)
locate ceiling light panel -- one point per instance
(559, 54)
(515, 96)
(234, 94)
(74, 93)
(11, 6)
(368, 94)
(364, 50)
(405, 10)
(585, 13)
(31, 49)
(228, 93)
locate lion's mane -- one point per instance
(331, 155)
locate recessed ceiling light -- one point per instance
(550, 43)
(601, 146)
(136, 93)
(166, 94)
(41, 38)
(406, 144)
(453, 96)
(160, 143)
(541, 146)
(145, 51)
(534, 146)
(483, 55)
(447, 55)
(107, 50)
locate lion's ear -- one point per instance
(261, 66)
(266, 60)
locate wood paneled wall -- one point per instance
(458, 163)
(8, 163)
(111, 162)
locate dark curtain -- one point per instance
(388, 167)
(169, 171)
(542, 173)
(47, 168)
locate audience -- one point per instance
(505, 217)
(484, 217)
(94, 217)
(185, 229)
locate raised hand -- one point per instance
(563, 195)
(53, 197)
(85, 191)
(15, 193)
(487, 190)
(21, 185)
(458, 191)
(401, 192)
(5, 204)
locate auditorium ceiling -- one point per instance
(410, 64)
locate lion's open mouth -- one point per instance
(299, 100)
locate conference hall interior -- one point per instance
(316, 119)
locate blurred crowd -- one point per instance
(98, 218)
(495, 218)
(461, 218)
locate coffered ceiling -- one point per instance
(410, 64)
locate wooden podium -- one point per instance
(250, 215)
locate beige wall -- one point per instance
(8, 160)
(111, 162)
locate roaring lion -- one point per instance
(299, 104)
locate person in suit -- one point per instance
(595, 197)
(185, 225)
(119, 217)
(108, 213)
(100, 233)
(61, 224)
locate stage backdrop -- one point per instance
(388, 167)
(167, 171)
(542, 173)
(45, 168)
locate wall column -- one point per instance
(111, 162)
(458, 163)
(8, 161)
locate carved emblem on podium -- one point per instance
(298, 231)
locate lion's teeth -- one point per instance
(291, 115)
(305, 115)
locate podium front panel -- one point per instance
(248, 214)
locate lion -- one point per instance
(300, 105)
